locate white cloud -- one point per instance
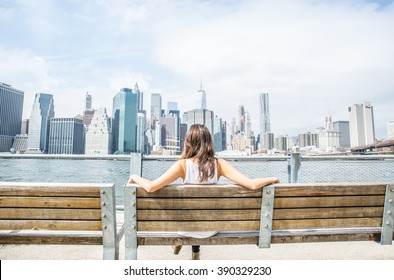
(312, 57)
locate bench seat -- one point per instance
(280, 213)
(60, 213)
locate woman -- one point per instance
(198, 165)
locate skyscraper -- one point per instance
(40, 117)
(156, 107)
(99, 136)
(170, 133)
(11, 107)
(141, 129)
(124, 122)
(241, 113)
(66, 136)
(88, 102)
(361, 124)
(140, 97)
(265, 123)
(201, 99)
(201, 116)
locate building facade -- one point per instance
(124, 122)
(99, 134)
(156, 107)
(11, 109)
(170, 125)
(343, 128)
(66, 136)
(265, 122)
(361, 124)
(390, 130)
(201, 116)
(39, 122)
(201, 99)
(282, 143)
(141, 129)
(308, 139)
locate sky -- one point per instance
(314, 58)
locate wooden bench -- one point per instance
(280, 213)
(56, 213)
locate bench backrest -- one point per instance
(48, 207)
(198, 208)
(313, 206)
(279, 213)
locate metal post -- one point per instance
(388, 217)
(295, 163)
(136, 164)
(130, 217)
(108, 219)
(267, 210)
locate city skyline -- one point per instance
(313, 58)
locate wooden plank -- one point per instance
(329, 189)
(50, 189)
(184, 191)
(199, 203)
(236, 239)
(329, 201)
(49, 225)
(43, 237)
(282, 190)
(197, 225)
(232, 240)
(49, 202)
(198, 215)
(326, 223)
(50, 214)
(323, 213)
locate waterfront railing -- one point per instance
(295, 168)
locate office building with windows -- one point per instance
(343, 128)
(39, 122)
(99, 134)
(361, 124)
(11, 108)
(265, 123)
(66, 136)
(124, 122)
(201, 116)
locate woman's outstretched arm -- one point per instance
(227, 170)
(173, 173)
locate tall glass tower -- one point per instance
(41, 114)
(265, 124)
(88, 102)
(11, 107)
(156, 106)
(124, 122)
(201, 99)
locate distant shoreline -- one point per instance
(63, 156)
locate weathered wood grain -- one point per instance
(49, 202)
(49, 225)
(49, 214)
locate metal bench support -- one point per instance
(130, 209)
(388, 217)
(108, 212)
(267, 207)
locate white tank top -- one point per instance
(192, 174)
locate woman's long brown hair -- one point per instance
(199, 144)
